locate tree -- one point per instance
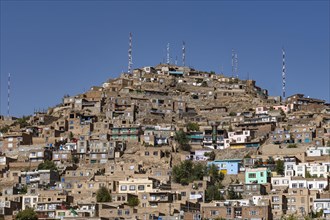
(187, 172)
(214, 173)
(204, 84)
(308, 175)
(182, 139)
(270, 160)
(292, 146)
(4, 129)
(232, 114)
(27, 214)
(47, 165)
(70, 135)
(23, 190)
(103, 195)
(279, 167)
(212, 193)
(192, 126)
(133, 201)
(211, 155)
(75, 159)
(22, 122)
(231, 194)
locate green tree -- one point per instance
(192, 126)
(70, 135)
(279, 167)
(23, 190)
(215, 175)
(133, 201)
(22, 122)
(270, 160)
(186, 172)
(204, 84)
(211, 155)
(47, 165)
(182, 139)
(4, 129)
(232, 114)
(27, 214)
(231, 194)
(75, 159)
(292, 146)
(103, 195)
(212, 193)
(308, 175)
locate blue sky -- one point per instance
(53, 48)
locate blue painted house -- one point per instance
(227, 166)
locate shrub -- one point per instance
(103, 195)
(292, 146)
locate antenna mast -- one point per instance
(168, 53)
(8, 91)
(183, 54)
(283, 73)
(236, 65)
(130, 61)
(232, 62)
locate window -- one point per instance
(146, 153)
(276, 199)
(262, 174)
(252, 175)
(253, 212)
(294, 185)
(140, 187)
(228, 211)
(321, 186)
(123, 188)
(214, 212)
(132, 187)
(301, 185)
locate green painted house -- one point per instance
(258, 175)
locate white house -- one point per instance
(319, 170)
(317, 151)
(300, 169)
(309, 183)
(261, 110)
(322, 204)
(314, 169)
(239, 136)
(280, 181)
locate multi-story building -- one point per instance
(257, 175)
(228, 166)
(240, 209)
